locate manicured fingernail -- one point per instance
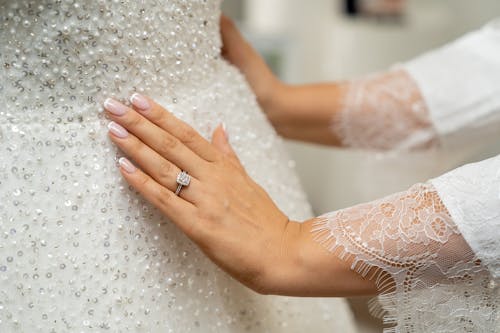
(117, 130)
(115, 107)
(126, 165)
(225, 131)
(140, 101)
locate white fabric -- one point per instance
(435, 248)
(472, 196)
(80, 250)
(429, 278)
(460, 83)
(384, 111)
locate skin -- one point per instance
(229, 216)
(310, 112)
(302, 112)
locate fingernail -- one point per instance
(140, 101)
(117, 130)
(115, 107)
(225, 131)
(126, 165)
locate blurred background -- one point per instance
(326, 40)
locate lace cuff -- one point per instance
(384, 111)
(428, 277)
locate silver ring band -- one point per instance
(183, 179)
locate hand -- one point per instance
(297, 112)
(229, 216)
(266, 86)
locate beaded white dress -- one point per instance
(80, 251)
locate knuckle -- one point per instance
(207, 230)
(231, 164)
(201, 231)
(134, 121)
(168, 143)
(209, 215)
(144, 181)
(160, 116)
(157, 116)
(210, 227)
(165, 172)
(188, 134)
(208, 192)
(164, 197)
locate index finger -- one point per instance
(178, 128)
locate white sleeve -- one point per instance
(446, 97)
(433, 251)
(460, 84)
(472, 196)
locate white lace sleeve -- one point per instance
(472, 196)
(447, 97)
(384, 111)
(429, 278)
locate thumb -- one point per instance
(220, 140)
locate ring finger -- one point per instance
(160, 169)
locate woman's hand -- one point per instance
(268, 89)
(229, 216)
(297, 112)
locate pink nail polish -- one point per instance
(126, 165)
(117, 130)
(225, 131)
(115, 107)
(140, 101)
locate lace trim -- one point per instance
(385, 111)
(428, 277)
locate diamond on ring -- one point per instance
(183, 179)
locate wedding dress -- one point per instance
(81, 251)
(433, 250)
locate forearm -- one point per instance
(405, 240)
(380, 112)
(305, 112)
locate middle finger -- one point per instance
(160, 169)
(159, 140)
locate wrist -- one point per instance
(309, 270)
(273, 101)
(268, 93)
(280, 269)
